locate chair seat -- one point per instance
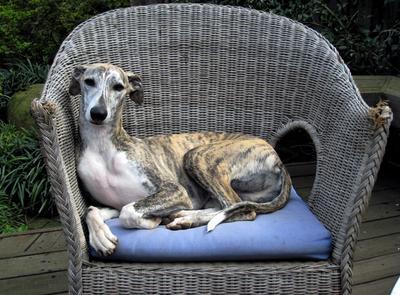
(290, 233)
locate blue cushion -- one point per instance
(290, 233)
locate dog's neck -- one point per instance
(103, 137)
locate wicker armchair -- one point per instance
(219, 68)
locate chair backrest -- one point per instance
(207, 67)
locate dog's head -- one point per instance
(103, 88)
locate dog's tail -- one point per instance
(248, 206)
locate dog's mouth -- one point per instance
(98, 123)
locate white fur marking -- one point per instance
(100, 236)
(217, 219)
(130, 218)
(270, 161)
(108, 175)
(108, 213)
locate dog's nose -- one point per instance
(98, 114)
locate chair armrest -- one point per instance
(330, 199)
(62, 176)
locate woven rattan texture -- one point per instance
(213, 278)
(215, 68)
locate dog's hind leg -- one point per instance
(100, 236)
(194, 218)
(191, 218)
(183, 213)
(148, 212)
(230, 169)
(243, 216)
(212, 165)
(207, 165)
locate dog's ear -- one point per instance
(75, 86)
(136, 91)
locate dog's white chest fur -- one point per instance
(110, 177)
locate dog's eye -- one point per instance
(90, 82)
(118, 87)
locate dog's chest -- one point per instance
(111, 178)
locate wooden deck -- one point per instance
(35, 262)
(377, 256)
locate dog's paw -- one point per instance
(170, 218)
(184, 222)
(103, 241)
(100, 237)
(130, 218)
(182, 213)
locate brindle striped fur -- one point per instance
(206, 165)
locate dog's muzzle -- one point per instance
(98, 114)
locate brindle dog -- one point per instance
(183, 180)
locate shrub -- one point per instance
(22, 176)
(365, 50)
(20, 74)
(11, 217)
(35, 28)
(4, 98)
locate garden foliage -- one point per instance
(23, 177)
(365, 49)
(18, 76)
(11, 217)
(35, 28)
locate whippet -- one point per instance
(183, 180)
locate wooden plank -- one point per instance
(30, 232)
(14, 245)
(303, 186)
(377, 247)
(53, 223)
(304, 193)
(385, 196)
(379, 228)
(48, 242)
(41, 222)
(301, 168)
(38, 223)
(382, 211)
(379, 287)
(386, 181)
(61, 243)
(33, 264)
(376, 268)
(392, 86)
(386, 185)
(48, 283)
(370, 84)
(303, 182)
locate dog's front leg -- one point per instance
(100, 236)
(148, 212)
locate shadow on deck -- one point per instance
(35, 262)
